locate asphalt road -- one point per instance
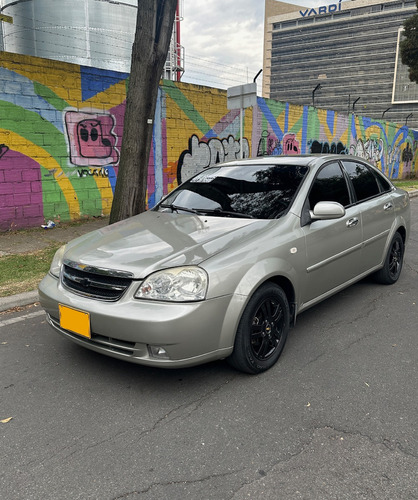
(336, 418)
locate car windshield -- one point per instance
(254, 191)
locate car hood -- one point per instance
(154, 240)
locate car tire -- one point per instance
(262, 330)
(392, 267)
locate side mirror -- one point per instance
(325, 210)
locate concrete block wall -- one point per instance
(61, 128)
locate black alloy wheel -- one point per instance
(267, 328)
(395, 259)
(392, 267)
(262, 331)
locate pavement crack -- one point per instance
(264, 473)
(65, 450)
(185, 409)
(177, 482)
(361, 316)
(334, 448)
(391, 445)
(315, 359)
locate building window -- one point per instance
(308, 20)
(288, 24)
(390, 6)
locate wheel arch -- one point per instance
(287, 286)
(402, 231)
(397, 227)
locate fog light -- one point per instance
(158, 352)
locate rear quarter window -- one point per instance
(363, 179)
(385, 185)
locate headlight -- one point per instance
(179, 284)
(57, 262)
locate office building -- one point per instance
(343, 56)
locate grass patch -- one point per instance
(407, 184)
(23, 272)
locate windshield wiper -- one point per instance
(207, 211)
(176, 208)
(220, 212)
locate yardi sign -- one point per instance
(325, 9)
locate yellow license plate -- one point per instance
(74, 320)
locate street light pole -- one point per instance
(313, 94)
(383, 114)
(354, 103)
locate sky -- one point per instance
(223, 40)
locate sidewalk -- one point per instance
(31, 240)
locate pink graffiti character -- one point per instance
(91, 139)
(290, 145)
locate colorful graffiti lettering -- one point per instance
(394, 156)
(269, 145)
(203, 154)
(98, 172)
(407, 157)
(326, 147)
(371, 149)
(407, 154)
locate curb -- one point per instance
(19, 300)
(28, 298)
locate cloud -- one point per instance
(223, 40)
(229, 35)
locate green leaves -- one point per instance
(409, 46)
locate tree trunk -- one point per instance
(154, 26)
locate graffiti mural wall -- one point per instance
(61, 129)
(290, 129)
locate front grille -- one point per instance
(94, 282)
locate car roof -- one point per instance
(300, 160)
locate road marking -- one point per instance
(7, 322)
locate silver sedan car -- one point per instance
(223, 265)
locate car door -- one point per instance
(333, 247)
(377, 211)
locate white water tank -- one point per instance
(96, 33)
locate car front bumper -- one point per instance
(189, 333)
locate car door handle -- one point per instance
(352, 222)
(388, 206)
